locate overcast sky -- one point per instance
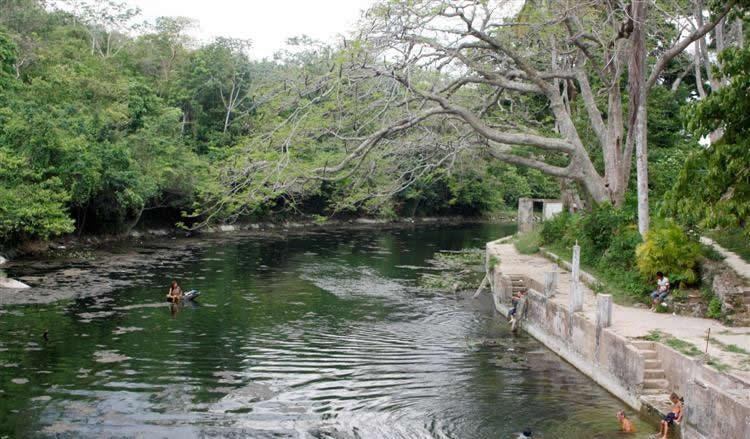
(268, 23)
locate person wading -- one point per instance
(175, 292)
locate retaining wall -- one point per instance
(601, 354)
(717, 405)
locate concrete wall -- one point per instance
(551, 208)
(525, 214)
(716, 404)
(601, 354)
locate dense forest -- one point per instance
(107, 120)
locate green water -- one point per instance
(319, 335)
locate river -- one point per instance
(310, 335)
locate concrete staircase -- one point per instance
(518, 282)
(654, 380)
(656, 387)
(743, 319)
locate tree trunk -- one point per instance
(641, 164)
(639, 111)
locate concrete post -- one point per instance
(603, 310)
(550, 283)
(576, 293)
(525, 214)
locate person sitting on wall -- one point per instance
(512, 313)
(662, 290)
(673, 417)
(626, 426)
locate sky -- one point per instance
(268, 23)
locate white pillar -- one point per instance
(576, 293)
(550, 283)
(603, 310)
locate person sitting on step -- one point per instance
(662, 290)
(673, 417)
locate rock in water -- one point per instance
(6, 282)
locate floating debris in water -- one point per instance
(126, 329)
(19, 381)
(109, 357)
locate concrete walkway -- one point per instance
(730, 258)
(635, 322)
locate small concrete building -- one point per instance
(531, 210)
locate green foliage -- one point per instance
(713, 187)
(553, 230)
(29, 205)
(620, 254)
(600, 225)
(714, 308)
(493, 262)
(528, 243)
(733, 239)
(667, 248)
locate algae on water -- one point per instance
(454, 270)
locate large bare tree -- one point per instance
(479, 63)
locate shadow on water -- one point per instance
(322, 335)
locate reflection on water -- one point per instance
(322, 335)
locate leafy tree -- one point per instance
(713, 188)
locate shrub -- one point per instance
(621, 251)
(553, 230)
(528, 243)
(601, 224)
(667, 248)
(714, 308)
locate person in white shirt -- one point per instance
(662, 289)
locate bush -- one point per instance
(621, 251)
(528, 243)
(714, 308)
(553, 230)
(601, 224)
(668, 249)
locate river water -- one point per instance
(314, 335)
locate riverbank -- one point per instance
(624, 358)
(63, 245)
(85, 268)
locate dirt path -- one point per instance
(635, 322)
(730, 258)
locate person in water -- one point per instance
(673, 417)
(626, 426)
(525, 434)
(175, 292)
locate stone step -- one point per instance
(658, 383)
(649, 355)
(643, 345)
(652, 364)
(653, 374)
(653, 393)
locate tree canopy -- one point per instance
(429, 107)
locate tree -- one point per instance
(713, 188)
(108, 23)
(479, 66)
(220, 75)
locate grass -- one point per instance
(493, 262)
(734, 240)
(733, 348)
(688, 349)
(528, 243)
(626, 287)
